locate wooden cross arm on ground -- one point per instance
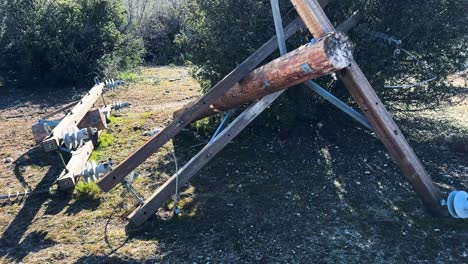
(72, 119)
(152, 145)
(75, 165)
(387, 130)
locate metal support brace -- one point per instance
(278, 27)
(339, 104)
(134, 193)
(306, 68)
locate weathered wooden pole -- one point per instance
(387, 130)
(327, 55)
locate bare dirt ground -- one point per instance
(333, 196)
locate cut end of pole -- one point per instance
(339, 49)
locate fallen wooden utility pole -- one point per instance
(220, 106)
(72, 119)
(387, 130)
(152, 145)
(327, 55)
(165, 191)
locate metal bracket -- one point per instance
(306, 68)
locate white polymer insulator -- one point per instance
(75, 138)
(457, 204)
(92, 172)
(112, 84)
(120, 105)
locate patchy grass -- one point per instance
(132, 77)
(86, 191)
(105, 140)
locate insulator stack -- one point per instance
(92, 172)
(112, 84)
(75, 138)
(116, 106)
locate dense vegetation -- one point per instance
(220, 33)
(45, 42)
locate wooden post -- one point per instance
(387, 130)
(327, 55)
(67, 178)
(144, 152)
(72, 119)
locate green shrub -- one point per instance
(132, 77)
(64, 42)
(86, 191)
(159, 31)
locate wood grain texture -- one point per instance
(385, 127)
(286, 72)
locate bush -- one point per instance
(62, 42)
(159, 31)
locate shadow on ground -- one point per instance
(333, 196)
(12, 239)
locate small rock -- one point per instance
(9, 160)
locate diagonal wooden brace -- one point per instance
(318, 24)
(165, 191)
(152, 145)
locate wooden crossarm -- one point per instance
(72, 119)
